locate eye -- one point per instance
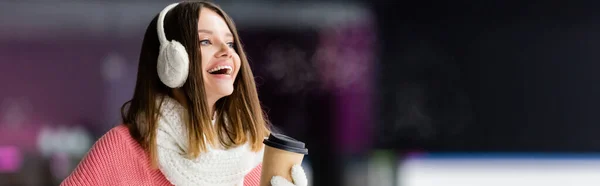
(231, 44)
(205, 42)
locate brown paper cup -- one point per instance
(281, 153)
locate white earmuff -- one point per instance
(173, 61)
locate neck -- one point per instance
(211, 104)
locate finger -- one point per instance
(280, 181)
(298, 176)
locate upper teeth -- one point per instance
(220, 68)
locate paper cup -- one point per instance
(281, 153)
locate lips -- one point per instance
(221, 68)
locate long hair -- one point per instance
(239, 118)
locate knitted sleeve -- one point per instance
(104, 164)
(253, 178)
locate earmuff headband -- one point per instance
(160, 24)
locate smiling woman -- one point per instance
(195, 117)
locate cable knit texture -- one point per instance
(217, 166)
(173, 64)
(117, 159)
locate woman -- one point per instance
(195, 117)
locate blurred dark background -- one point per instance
(489, 76)
(356, 80)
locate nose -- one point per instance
(224, 50)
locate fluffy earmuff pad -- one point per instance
(173, 64)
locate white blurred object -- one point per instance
(74, 141)
(500, 171)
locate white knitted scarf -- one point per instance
(217, 166)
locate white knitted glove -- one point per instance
(298, 176)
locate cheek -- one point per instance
(205, 58)
(237, 62)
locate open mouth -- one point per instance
(221, 70)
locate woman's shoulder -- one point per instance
(118, 134)
(118, 146)
(118, 138)
(120, 131)
(115, 158)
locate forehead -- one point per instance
(212, 21)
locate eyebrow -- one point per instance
(210, 32)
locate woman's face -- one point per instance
(220, 61)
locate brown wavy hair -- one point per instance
(242, 109)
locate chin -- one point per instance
(226, 92)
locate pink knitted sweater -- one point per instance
(117, 159)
